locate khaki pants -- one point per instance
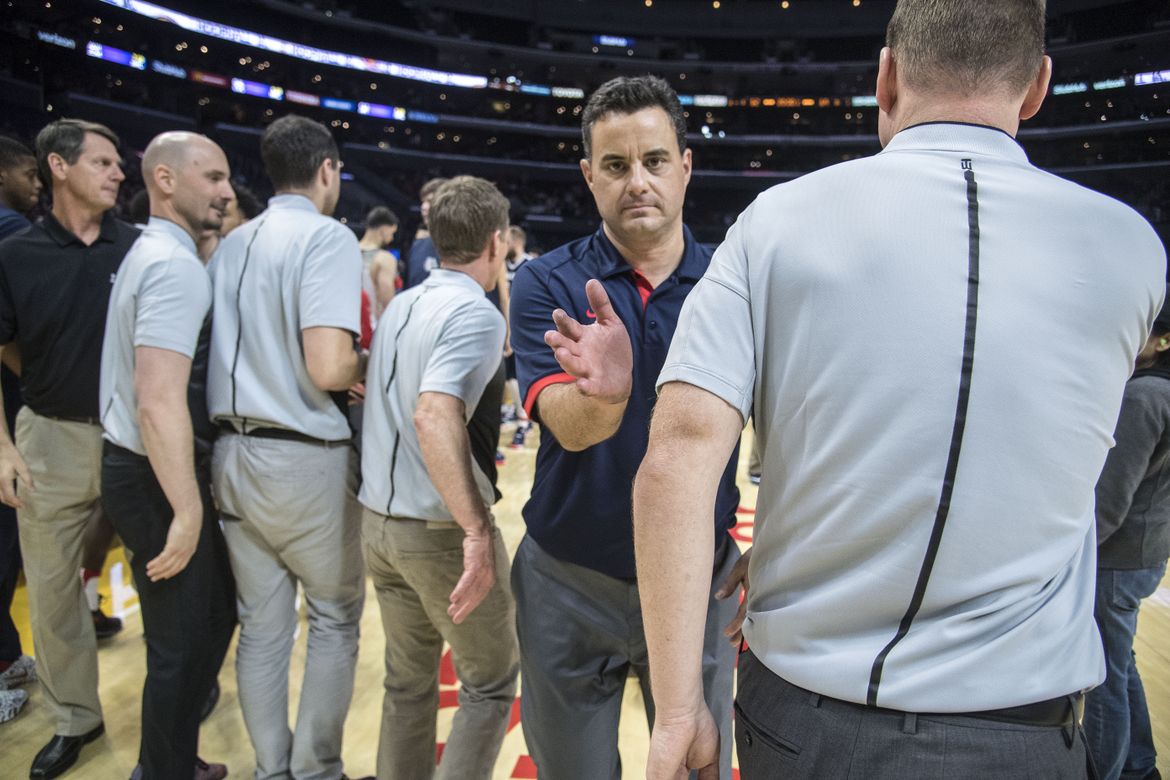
(415, 566)
(64, 459)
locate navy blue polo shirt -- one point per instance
(580, 509)
(420, 261)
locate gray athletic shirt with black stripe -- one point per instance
(443, 336)
(289, 269)
(839, 310)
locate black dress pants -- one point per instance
(9, 536)
(188, 619)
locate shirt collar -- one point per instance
(447, 276)
(63, 236)
(958, 137)
(161, 225)
(291, 200)
(610, 261)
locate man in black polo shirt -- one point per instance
(55, 281)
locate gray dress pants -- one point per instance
(784, 732)
(290, 515)
(581, 636)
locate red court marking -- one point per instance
(742, 531)
(514, 720)
(447, 670)
(734, 774)
(448, 699)
(524, 768)
(439, 752)
(743, 510)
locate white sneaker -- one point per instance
(11, 703)
(22, 670)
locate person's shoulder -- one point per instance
(554, 261)
(1101, 210)
(125, 230)
(1148, 388)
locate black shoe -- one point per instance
(104, 625)
(61, 753)
(212, 700)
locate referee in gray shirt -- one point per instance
(436, 558)
(156, 478)
(933, 342)
(287, 288)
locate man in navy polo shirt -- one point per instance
(578, 616)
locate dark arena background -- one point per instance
(415, 89)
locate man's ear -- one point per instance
(887, 81)
(587, 172)
(58, 168)
(325, 172)
(164, 178)
(1037, 90)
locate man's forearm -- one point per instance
(6, 437)
(576, 420)
(446, 451)
(692, 435)
(170, 447)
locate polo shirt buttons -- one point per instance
(653, 323)
(747, 737)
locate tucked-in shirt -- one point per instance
(1133, 493)
(420, 261)
(440, 337)
(843, 309)
(289, 269)
(162, 299)
(54, 292)
(580, 509)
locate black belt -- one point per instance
(283, 434)
(1060, 711)
(86, 420)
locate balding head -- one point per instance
(186, 175)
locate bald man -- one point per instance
(156, 458)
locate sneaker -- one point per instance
(22, 670)
(754, 478)
(520, 434)
(206, 771)
(507, 413)
(104, 625)
(499, 457)
(11, 703)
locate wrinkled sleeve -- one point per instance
(714, 346)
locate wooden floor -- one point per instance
(224, 739)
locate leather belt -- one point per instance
(284, 434)
(1060, 711)
(85, 420)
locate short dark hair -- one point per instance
(13, 152)
(381, 216)
(963, 47)
(66, 137)
(465, 212)
(431, 187)
(628, 95)
(138, 208)
(249, 205)
(293, 148)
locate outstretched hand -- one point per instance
(598, 355)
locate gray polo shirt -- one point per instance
(442, 336)
(289, 269)
(161, 298)
(934, 341)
